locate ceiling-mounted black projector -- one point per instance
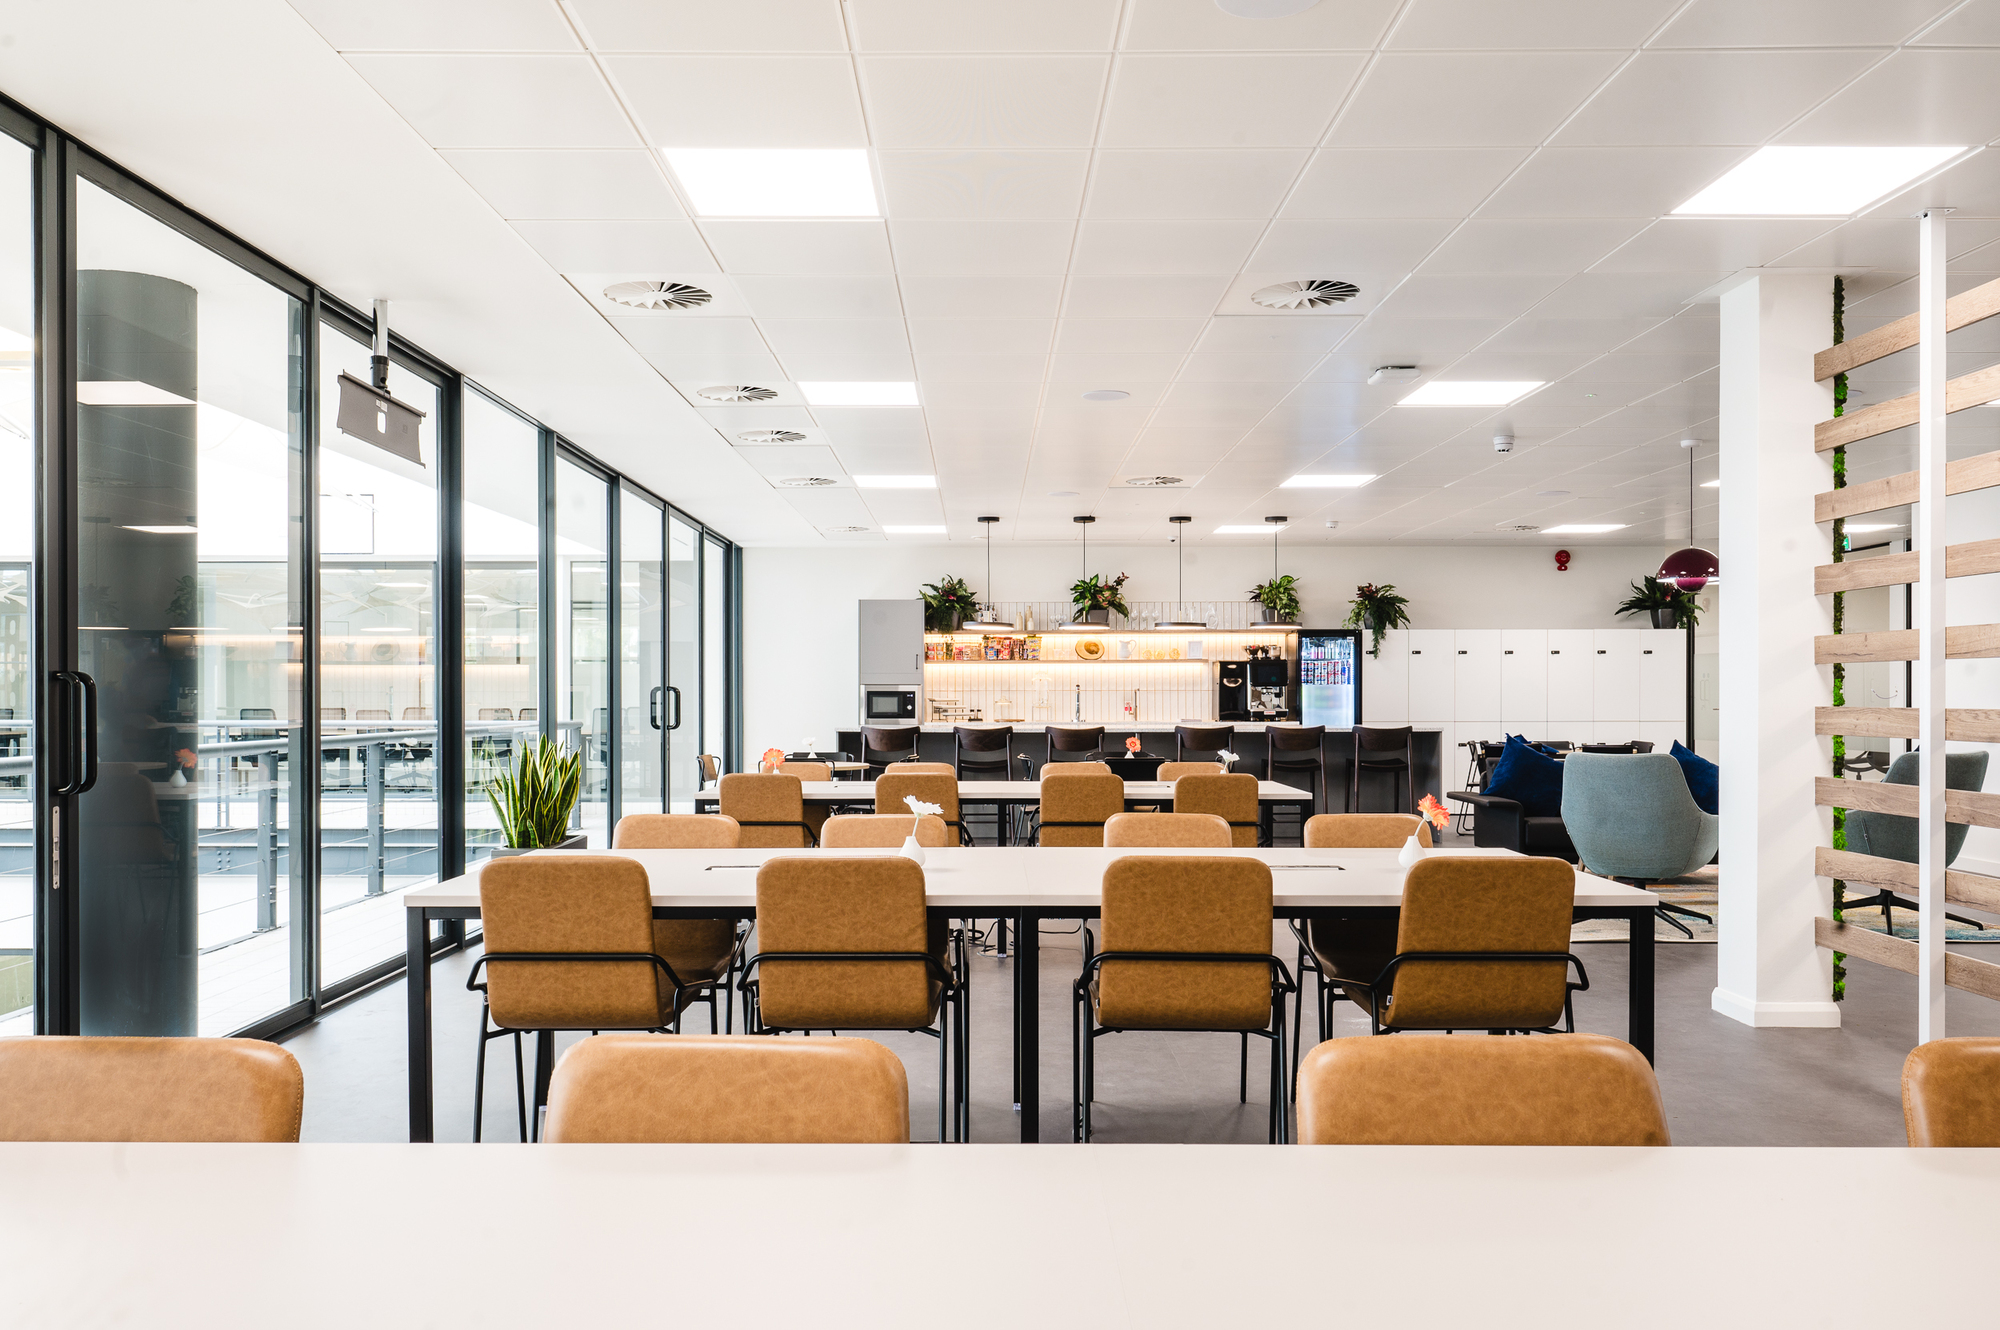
(368, 412)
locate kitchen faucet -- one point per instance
(1079, 701)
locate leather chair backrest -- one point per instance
(711, 767)
(676, 831)
(807, 770)
(1888, 836)
(1382, 738)
(112, 1088)
(1631, 815)
(1092, 799)
(980, 739)
(1186, 904)
(852, 831)
(940, 788)
(1951, 1093)
(1467, 904)
(1173, 771)
(881, 743)
(570, 902)
(834, 904)
(925, 769)
(1136, 830)
(1231, 798)
(728, 1089)
(1558, 1089)
(1053, 769)
(1075, 738)
(765, 797)
(1204, 738)
(1294, 738)
(1365, 831)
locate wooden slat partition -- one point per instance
(1967, 390)
(1966, 724)
(1962, 972)
(1981, 302)
(1970, 807)
(1974, 641)
(1960, 477)
(1975, 889)
(1968, 560)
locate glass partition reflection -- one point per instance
(584, 609)
(17, 544)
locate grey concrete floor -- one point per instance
(1724, 1083)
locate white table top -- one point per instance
(1027, 877)
(972, 791)
(226, 1236)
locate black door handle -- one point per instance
(676, 723)
(653, 708)
(88, 687)
(76, 726)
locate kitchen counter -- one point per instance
(1123, 727)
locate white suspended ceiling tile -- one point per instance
(1682, 334)
(886, 460)
(796, 297)
(1224, 101)
(670, 337)
(1018, 25)
(1334, 248)
(1653, 369)
(722, 101)
(500, 101)
(1551, 24)
(1115, 369)
(566, 183)
(809, 247)
(584, 247)
(1248, 366)
(986, 393)
(1610, 182)
(946, 419)
(1200, 25)
(1519, 366)
(1572, 335)
(794, 460)
(935, 367)
(1493, 296)
(864, 350)
(1711, 97)
(1253, 335)
(983, 184)
(464, 25)
(1203, 182)
(1164, 295)
(874, 426)
(1971, 188)
(1400, 182)
(1417, 341)
(1685, 244)
(977, 336)
(1104, 248)
(987, 249)
(703, 25)
(1915, 96)
(837, 506)
(1456, 99)
(1977, 24)
(983, 101)
(1020, 296)
(1800, 22)
(1174, 335)
(1541, 245)
(729, 421)
(1886, 242)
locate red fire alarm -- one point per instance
(1562, 561)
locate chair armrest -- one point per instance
(1498, 824)
(1478, 800)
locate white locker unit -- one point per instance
(1476, 676)
(1524, 680)
(1571, 690)
(1385, 682)
(1663, 676)
(1432, 676)
(1615, 679)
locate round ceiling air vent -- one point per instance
(770, 436)
(1316, 293)
(1154, 482)
(847, 530)
(804, 482)
(656, 295)
(736, 392)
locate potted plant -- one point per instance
(1669, 606)
(1280, 599)
(535, 798)
(1095, 598)
(948, 603)
(1378, 609)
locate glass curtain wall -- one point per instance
(583, 608)
(501, 515)
(378, 537)
(684, 738)
(643, 700)
(715, 648)
(17, 551)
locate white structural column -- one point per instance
(1927, 608)
(1769, 970)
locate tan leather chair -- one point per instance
(110, 1088)
(1231, 798)
(771, 809)
(742, 1089)
(710, 767)
(907, 971)
(1171, 830)
(1187, 943)
(924, 769)
(596, 907)
(1951, 1093)
(1075, 808)
(1173, 771)
(807, 770)
(1076, 769)
(704, 948)
(1363, 937)
(853, 831)
(1565, 1089)
(892, 787)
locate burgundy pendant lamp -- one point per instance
(1692, 568)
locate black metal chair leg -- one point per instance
(1243, 1073)
(479, 1079)
(1661, 913)
(520, 1088)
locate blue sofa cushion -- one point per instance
(1530, 777)
(1701, 777)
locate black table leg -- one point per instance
(1639, 993)
(417, 989)
(545, 1066)
(1028, 1023)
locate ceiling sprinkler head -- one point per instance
(1332, 525)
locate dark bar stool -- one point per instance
(1389, 748)
(1202, 739)
(1076, 743)
(985, 753)
(884, 744)
(1295, 750)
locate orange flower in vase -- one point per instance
(1434, 813)
(772, 757)
(1132, 745)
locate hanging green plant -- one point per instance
(1839, 625)
(948, 603)
(1095, 593)
(1378, 609)
(1280, 595)
(1669, 606)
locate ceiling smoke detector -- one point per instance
(770, 436)
(804, 482)
(656, 295)
(1315, 293)
(736, 392)
(1155, 482)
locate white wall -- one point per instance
(799, 616)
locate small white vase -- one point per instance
(1412, 851)
(911, 850)
(178, 778)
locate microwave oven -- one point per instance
(883, 702)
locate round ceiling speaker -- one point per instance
(656, 295)
(770, 436)
(1264, 8)
(1106, 395)
(1317, 293)
(736, 392)
(804, 482)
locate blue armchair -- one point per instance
(1887, 836)
(1632, 819)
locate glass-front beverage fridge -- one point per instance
(1330, 677)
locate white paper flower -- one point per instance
(920, 808)
(1228, 758)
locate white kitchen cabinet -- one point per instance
(1663, 735)
(1663, 675)
(1615, 677)
(1385, 681)
(1571, 688)
(1476, 675)
(1432, 675)
(1524, 680)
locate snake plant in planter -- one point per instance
(1378, 609)
(535, 799)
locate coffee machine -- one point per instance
(1269, 689)
(1232, 690)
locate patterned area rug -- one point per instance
(1696, 891)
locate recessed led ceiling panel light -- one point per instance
(859, 394)
(1711, 484)
(126, 392)
(913, 530)
(1583, 528)
(1261, 529)
(776, 182)
(1470, 392)
(1325, 482)
(189, 531)
(896, 483)
(1813, 182)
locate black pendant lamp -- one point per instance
(989, 621)
(1180, 580)
(1078, 625)
(1692, 568)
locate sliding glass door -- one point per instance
(648, 706)
(583, 608)
(18, 819)
(684, 740)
